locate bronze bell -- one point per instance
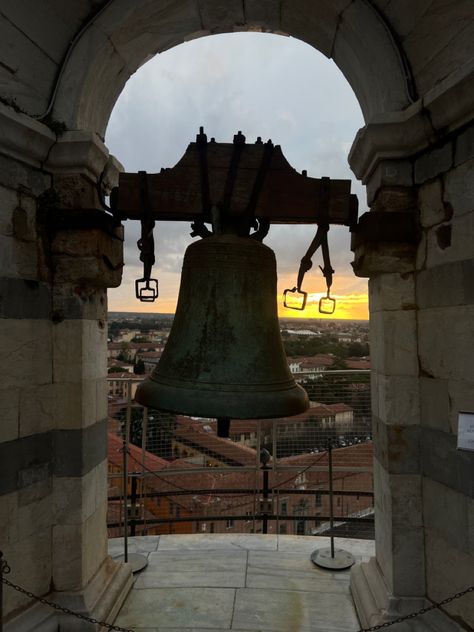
(224, 357)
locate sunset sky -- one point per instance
(265, 85)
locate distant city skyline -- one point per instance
(265, 85)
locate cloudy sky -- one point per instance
(265, 85)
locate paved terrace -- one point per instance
(243, 583)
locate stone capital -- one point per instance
(408, 133)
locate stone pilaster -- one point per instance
(61, 254)
(421, 307)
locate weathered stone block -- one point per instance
(221, 16)
(76, 499)
(75, 403)
(446, 285)
(313, 23)
(434, 399)
(446, 513)
(18, 258)
(446, 342)
(390, 174)
(434, 163)
(383, 258)
(35, 515)
(432, 208)
(14, 174)
(464, 146)
(37, 405)
(459, 188)
(393, 343)
(389, 292)
(461, 398)
(79, 550)
(436, 42)
(449, 570)
(9, 414)
(30, 561)
(26, 346)
(443, 462)
(8, 519)
(360, 30)
(409, 562)
(398, 399)
(395, 199)
(397, 447)
(398, 531)
(79, 351)
(456, 245)
(32, 71)
(8, 201)
(264, 13)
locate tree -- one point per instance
(117, 369)
(139, 368)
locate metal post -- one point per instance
(136, 560)
(331, 498)
(331, 558)
(126, 441)
(133, 506)
(265, 499)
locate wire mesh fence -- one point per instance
(269, 476)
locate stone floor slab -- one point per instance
(180, 608)
(240, 583)
(136, 544)
(361, 549)
(288, 611)
(167, 568)
(218, 541)
(286, 570)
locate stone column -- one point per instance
(385, 251)
(61, 254)
(416, 248)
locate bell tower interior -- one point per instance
(62, 69)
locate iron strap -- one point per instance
(260, 179)
(201, 143)
(320, 239)
(239, 144)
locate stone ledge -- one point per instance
(23, 138)
(375, 605)
(101, 599)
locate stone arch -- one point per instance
(123, 36)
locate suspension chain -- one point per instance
(434, 606)
(51, 604)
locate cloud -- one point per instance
(265, 85)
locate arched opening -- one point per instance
(417, 159)
(120, 38)
(258, 84)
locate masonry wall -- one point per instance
(53, 398)
(445, 331)
(26, 333)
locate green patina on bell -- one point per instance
(224, 357)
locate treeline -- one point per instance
(143, 325)
(312, 345)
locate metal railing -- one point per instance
(270, 476)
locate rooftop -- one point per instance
(238, 582)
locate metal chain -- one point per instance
(56, 606)
(434, 606)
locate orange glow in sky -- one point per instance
(350, 294)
